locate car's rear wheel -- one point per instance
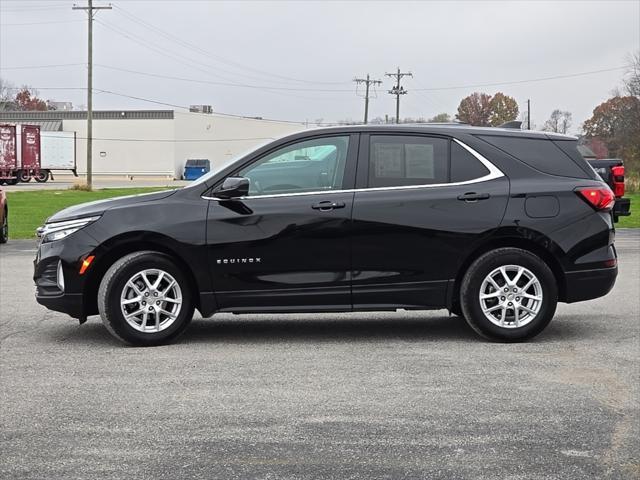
(508, 295)
(145, 299)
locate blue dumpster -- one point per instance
(195, 168)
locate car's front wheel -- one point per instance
(508, 295)
(144, 299)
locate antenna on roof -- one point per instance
(515, 124)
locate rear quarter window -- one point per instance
(464, 166)
(541, 154)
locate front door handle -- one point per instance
(327, 205)
(473, 196)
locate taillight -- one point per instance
(617, 174)
(600, 198)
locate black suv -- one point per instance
(493, 224)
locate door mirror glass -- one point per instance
(233, 187)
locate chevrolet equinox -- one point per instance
(495, 225)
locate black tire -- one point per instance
(24, 176)
(42, 176)
(472, 283)
(11, 181)
(111, 288)
(4, 228)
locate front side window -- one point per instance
(401, 160)
(307, 166)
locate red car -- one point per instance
(4, 218)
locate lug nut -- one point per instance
(506, 289)
(501, 298)
(144, 303)
(157, 303)
(146, 294)
(517, 299)
(155, 294)
(510, 304)
(150, 308)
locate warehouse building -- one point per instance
(155, 142)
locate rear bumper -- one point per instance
(622, 207)
(589, 284)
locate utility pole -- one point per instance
(528, 114)
(397, 90)
(367, 81)
(90, 14)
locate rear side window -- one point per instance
(407, 160)
(541, 154)
(465, 166)
(570, 147)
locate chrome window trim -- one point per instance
(494, 172)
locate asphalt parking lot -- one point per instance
(402, 395)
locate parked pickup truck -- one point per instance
(612, 172)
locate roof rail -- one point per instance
(514, 124)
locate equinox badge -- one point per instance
(225, 261)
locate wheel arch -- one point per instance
(530, 240)
(112, 250)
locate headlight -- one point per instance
(51, 232)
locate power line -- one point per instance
(166, 140)
(367, 81)
(227, 84)
(37, 23)
(397, 90)
(173, 105)
(193, 47)
(193, 64)
(531, 80)
(91, 12)
(34, 67)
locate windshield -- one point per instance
(218, 168)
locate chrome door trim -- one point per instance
(494, 172)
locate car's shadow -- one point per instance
(323, 328)
(327, 328)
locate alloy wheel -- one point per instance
(511, 296)
(151, 301)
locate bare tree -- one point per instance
(632, 77)
(7, 95)
(559, 122)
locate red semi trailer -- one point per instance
(8, 155)
(30, 152)
(19, 153)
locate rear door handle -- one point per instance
(327, 205)
(473, 196)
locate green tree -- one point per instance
(503, 109)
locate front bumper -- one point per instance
(69, 303)
(589, 284)
(62, 296)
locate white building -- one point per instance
(155, 142)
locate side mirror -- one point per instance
(233, 187)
